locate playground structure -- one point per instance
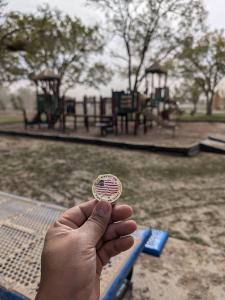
(116, 114)
(159, 105)
(48, 101)
(156, 85)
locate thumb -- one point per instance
(97, 223)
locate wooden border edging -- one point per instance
(199, 121)
(182, 151)
(217, 139)
(212, 146)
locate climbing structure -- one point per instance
(128, 108)
(156, 86)
(124, 112)
(49, 104)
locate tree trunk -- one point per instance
(209, 103)
(129, 73)
(194, 110)
(195, 107)
(208, 110)
(127, 45)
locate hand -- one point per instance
(77, 247)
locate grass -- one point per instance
(10, 120)
(219, 117)
(198, 240)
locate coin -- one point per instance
(107, 187)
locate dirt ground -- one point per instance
(185, 196)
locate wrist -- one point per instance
(47, 292)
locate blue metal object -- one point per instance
(156, 242)
(144, 236)
(7, 295)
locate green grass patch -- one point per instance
(203, 118)
(10, 120)
(198, 240)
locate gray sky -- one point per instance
(216, 20)
(216, 9)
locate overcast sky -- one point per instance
(216, 10)
(215, 7)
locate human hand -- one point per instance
(77, 247)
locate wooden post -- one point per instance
(39, 121)
(100, 107)
(75, 114)
(145, 125)
(114, 114)
(62, 115)
(153, 84)
(86, 121)
(146, 83)
(127, 129)
(103, 106)
(136, 123)
(121, 123)
(95, 110)
(138, 112)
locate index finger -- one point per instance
(78, 215)
(121, 212)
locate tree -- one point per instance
(63, 44)
(50, 39)
(10, 69)
(189, 91)
(17, 102)
(202, 61)
(2, 4)
(150, 30)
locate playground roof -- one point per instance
(47, 75)
(156, 68)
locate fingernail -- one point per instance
(102, 208)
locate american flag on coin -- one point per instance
(107, 187)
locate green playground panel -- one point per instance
(125, 102)
(42, 104)
(70, 107)
(155, 103)
(54, 103)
